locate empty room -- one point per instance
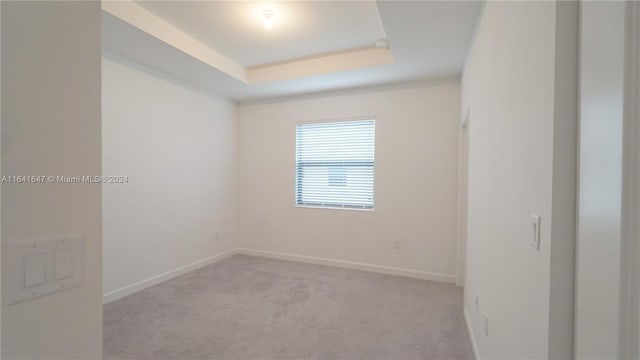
(320, 180)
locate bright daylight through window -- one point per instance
(335, 164)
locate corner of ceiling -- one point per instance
(155, 26)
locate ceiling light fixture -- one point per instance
(268, 19)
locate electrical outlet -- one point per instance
(477, 303)
(486, 325)
(396, 244)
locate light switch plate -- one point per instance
(535, 232)
(63, 264)
(38, 267)
(35, 272)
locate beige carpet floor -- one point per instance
(254, 308)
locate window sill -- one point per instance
(333, 208)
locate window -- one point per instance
(335, 164)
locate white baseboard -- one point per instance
(154, 280)
(141, 285)
(474, 347)
(350, 265)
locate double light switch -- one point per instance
(43, 266)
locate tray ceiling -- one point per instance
(313, 45)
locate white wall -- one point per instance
(564, 183)
(415, 179)
(601, 169)
(517, 136)
(630, 244)
(1, 186)
(177, 146)
(51, 126)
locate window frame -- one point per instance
(295, 165)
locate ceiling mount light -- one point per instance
(268, 19)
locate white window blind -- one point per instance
(335, 164)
